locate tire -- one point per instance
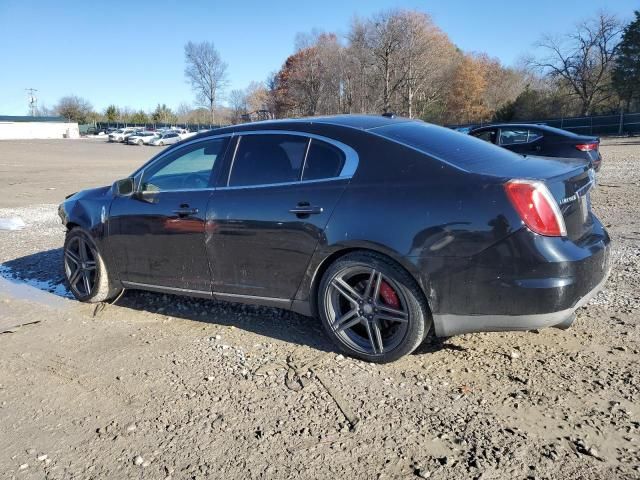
(81, 251)
(140, 142)
(380, 315)
(161, 144)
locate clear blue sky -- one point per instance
(131, 53)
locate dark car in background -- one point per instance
(542, 140)
(386, 229)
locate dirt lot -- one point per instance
(165, 387)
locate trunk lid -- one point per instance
(568, 180)
(572, 192)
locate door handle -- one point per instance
(185, 211)
(306, 209)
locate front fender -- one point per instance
(89, 209)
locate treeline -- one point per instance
(80, 110)
(400, 61)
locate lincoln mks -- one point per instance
(385, 229)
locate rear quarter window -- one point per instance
(444, 144)
(323, 161)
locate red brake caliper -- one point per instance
(389, 295)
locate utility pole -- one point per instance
(33, 100)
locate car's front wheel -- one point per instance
(85, 270)
(372, 308)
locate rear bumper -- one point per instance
(525, 281)
(447, 325)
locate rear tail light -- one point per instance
(537, 208)
(587, 147)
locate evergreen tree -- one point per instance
(111, 114)
(626, 75)
(163, 114)
(139, 117)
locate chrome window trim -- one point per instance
(284, 184)
(233, 160)
(152, 192)
(348, 169)
(304, 160)
(170, 151)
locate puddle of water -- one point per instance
(13, 223)
(34, 290)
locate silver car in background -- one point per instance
(121, 134)
(142, 138)
(166, 138)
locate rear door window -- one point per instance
(512, 136)
(266, 159)
(323, 161)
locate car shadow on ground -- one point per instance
(44, 271)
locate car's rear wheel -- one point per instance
(85, 269)
(372, 308)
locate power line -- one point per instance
(33, 100)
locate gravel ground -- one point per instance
(158, 386)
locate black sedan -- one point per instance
(542, 140)
(385, 229)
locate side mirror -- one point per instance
(124, 187)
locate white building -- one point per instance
(15, 128)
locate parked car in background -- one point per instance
(120, 134)
(141, 138)
(166, 138)
(542, 140)
(308, 215)
(187, 134)
(130, 134)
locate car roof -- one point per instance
(360, 122)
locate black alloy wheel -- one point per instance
(372, 308)
(80, 266)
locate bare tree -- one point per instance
(257, 97)
(74, 108)
(44, 111)
(385, 40)
(427, 56)
(206, 72)
(395, 61)
(237, 105)
(583, 59)
(503, 84)
(183, 112)
(125, 114)
(358, 70)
